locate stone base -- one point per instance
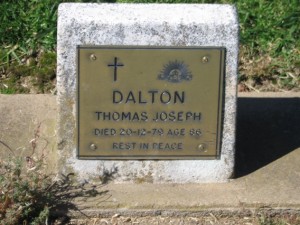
(145, 25)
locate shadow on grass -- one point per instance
(267, 129)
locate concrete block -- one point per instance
(145, 25)
(25, 118)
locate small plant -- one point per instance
(265, 219)
(25, 190)
(28, 195)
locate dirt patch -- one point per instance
(188, 220)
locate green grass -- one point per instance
(27, 29)
(269, 24)
(269, 37)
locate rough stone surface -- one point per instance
(21, 116)
(267, 169)
(267, 177)
(145, 25)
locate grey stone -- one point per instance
(27, 118)
(145, 25)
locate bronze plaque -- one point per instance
(149, 102)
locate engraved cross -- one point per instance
(115, 65)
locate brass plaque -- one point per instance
(149, 102)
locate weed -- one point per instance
(28, 195)
(23, 189)
(265, 219)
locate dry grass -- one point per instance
(189, 220)
(261, 72)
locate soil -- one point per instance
(188, 220)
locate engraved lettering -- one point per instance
(176, 132)
(167, 146)
(106, 116)
(98, 115)
(115, 116)
(176, 116)
(105, 132)
(189, 115)
(172, 116)
(151, 96)
(197, 116)
(144, 116)
(124, 145)
(126, 116)
(144, 146)
(165, 97)
(122, 116)
(130, 97)
(179, 116)
(140, 98)
(117, 97)
(179, 97)
(153, 92)
(135, 117)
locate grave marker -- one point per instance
(149, 89)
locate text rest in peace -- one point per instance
(146, 146)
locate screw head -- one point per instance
(202, 148)
(93, 57)
(93, 147)
(205, 59)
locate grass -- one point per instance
(270, 34)
(270, 43)
(28, 31)
(211, 219)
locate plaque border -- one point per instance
(220, 113)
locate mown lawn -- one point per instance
(269, 44)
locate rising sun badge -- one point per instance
(175, 72)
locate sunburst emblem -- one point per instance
(175, 72)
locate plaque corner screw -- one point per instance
(202, 147)
(93, 147)
(205, 59)
(93, 57)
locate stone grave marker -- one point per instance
(147, 91)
